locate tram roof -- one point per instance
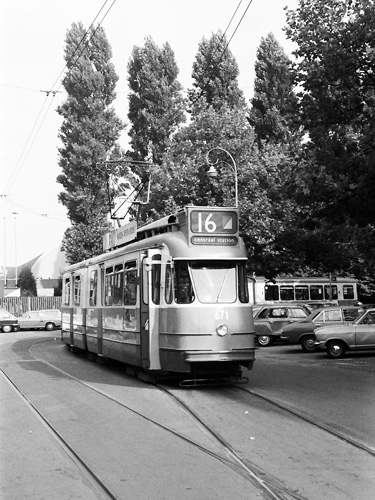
(173, 232)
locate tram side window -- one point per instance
(316, 292)
(77, 290)
(286, 292)
(183, 288)
(118, 285)
(168, 284)
(130, 283)
(330, 292)
(93, 287)
(302, 292)
(243, 289)
(108, 286)
(67, 292)
(155, 278)
(271, 292)
(348, 291)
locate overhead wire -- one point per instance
(27, 148)
(179, 112)
(31, 211)
(183, 108)
(32, 137)
(81, 41)
(17, 87)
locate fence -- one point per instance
(20, 305)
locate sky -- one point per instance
(32, 40)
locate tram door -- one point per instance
(150, 309)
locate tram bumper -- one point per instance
(244, 357)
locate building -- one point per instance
(47, 269)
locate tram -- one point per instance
(168, 298)
(316, 290)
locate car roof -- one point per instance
(318, 311)
(281, 306)
(45, 311)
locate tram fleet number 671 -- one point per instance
(168, 298)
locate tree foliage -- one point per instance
(183, 176)
(27, 283)
(306, 206)
(89, 132)
(335, 71)
(274, 110)
(215, 76)
(156, 105)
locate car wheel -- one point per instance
(336, 349)
(49, 326)
(264, 340)
(7, 328)
(308, 343)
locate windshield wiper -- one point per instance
(222, 285)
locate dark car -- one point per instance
(356, 336)
(47, 319)
(8, 322)
(270, 319)
(303, 332)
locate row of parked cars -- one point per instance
(47, 319)
(336, 329)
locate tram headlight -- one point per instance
(222, 330)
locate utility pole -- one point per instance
(15, 248)
(5, 255)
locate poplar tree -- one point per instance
(215, 76)
(88, 133)
(274, 107)
(156, 104)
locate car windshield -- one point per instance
(368, 318)
(6, 315)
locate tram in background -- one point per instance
(168, 298)
(325, 290)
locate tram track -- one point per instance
(274, 490)
(230, 458)
(80, 464)
(316, 423)
(270, 486)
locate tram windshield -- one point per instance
(214, 282)
(211, 282)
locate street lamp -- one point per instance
(212, 172)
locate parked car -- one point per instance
(270, 319)
(8, 322)
(319, 305)
(47, 319)
(360, 335)
(303, 331)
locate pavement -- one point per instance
(33, 465)
(135, 457)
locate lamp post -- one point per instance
(212, 172)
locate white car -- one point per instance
(359, 335)
(47, 319)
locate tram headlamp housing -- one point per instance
(222, 330)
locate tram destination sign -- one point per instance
(216, 227)
(120, 236)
